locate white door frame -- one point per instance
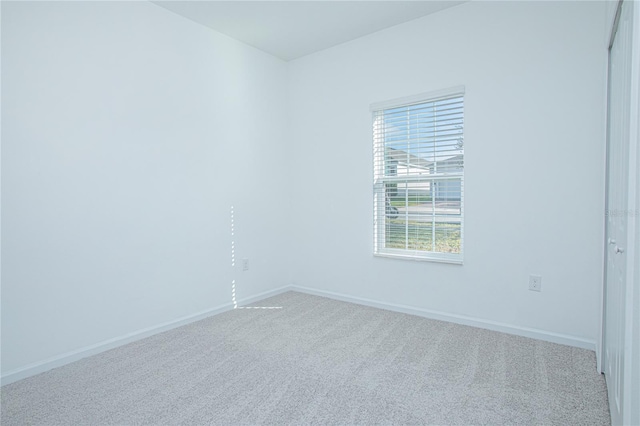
(631, 367)
(631, 413)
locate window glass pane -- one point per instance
(418, 168)
(395, 233)
(419, 234)
(447, 238)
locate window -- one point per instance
(418, 176)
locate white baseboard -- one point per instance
(69, 357)
(533, 333)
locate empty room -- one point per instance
(320, 212)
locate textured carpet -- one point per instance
(318, 361)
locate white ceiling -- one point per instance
(292, 29)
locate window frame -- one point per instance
(380, 214)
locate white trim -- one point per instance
(605, 244)
(548, 336)
(421, 258)
(614, 26)
(69, 357)
(72, 356)
(420, 97)
(631, 403)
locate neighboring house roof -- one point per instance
(414, 161)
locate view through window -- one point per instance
(418, 176)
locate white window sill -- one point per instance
(419, 258)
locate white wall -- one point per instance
(534, 178)
(128, 134)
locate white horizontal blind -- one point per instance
(418, 178)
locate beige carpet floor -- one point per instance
(318, 361)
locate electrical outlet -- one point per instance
(535, 283)
(245, 264)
